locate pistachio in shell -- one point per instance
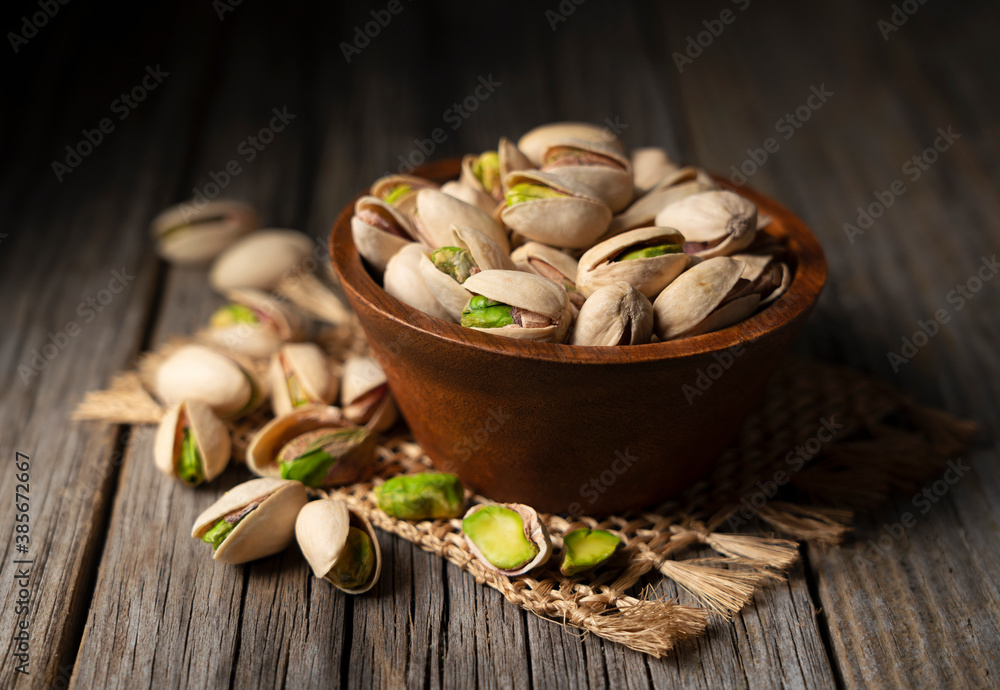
(196, 372)
(551, 263)
(517, 305)
(482, 173)
(428, 495)
(769, 277)
(260, 260)
(586, 549)
(365, 395)
(340, 545)
(714, 223)
(436, 213)
(554, 209)
(404, 281)
(400, 191)
(642, 212)
(534, 142)
(470, 195)
(191, 234)
(507, 537)
(707, 297)
(650, 166)
(300, 374)
(253, 520)
(646, 258)
(596, 165)
(616, 314)
(510, 159)
(379, 230)
(192, 444)
(254, 323)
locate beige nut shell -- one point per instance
(321, 531)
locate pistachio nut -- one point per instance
(379, 230)
(436, 213)
(707, 297)
(554, 209)
(596, 165)
(403, 281)
(299, 375)
(616, 314)
(365, 395)
(339, 544)
(587, 549)
(192, 444)
(428, 495)
(646, 258)
(650, 166)
(470, 195)
(768, 276)
(445, 269)
(312, 444)
(535, 141)
(551, 263)
(517, 305)
(715, 223)
(642, 213)
(507, 537)
(186, 234)
(260, 259)
(253, 520)
(482, 173)
(400, 191)
(254, 324)
(510, 159)
(196, 372)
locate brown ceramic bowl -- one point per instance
(579, 430)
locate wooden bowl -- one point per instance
(578, 430)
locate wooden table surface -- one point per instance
(847, 101)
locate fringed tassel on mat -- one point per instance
(824, 525)
(125, 402)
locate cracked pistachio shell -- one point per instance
(769, 277)
(403, 281)
(535, 141)
(691, 304)
(277, 322)
(714, 223)
(596, 165)
(365, 395)
(262, 453)
(264, 531)
(511, 159)
(470, 195)
(391, 188)
(598, 268)
(437, 212)
(650, 166)
(488, 256)
(211, 438)
(573, 221)
(299, 374)
(196, 372)
(642, 213)
(530, 292)
(186, 234)
(379, 230)
(616, 314)
(321, 530)
(259, 260)
(534, 532)
(467, 176)
(551, 263)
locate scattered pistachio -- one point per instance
(429, 495)
(499, 534)
(586, 549)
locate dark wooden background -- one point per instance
(123, 597)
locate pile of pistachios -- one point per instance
(608, 248)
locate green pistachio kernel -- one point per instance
(189, 466)
(455, 261)
(498, 533)
(485, 313)
(520, 193)
(422, 496)
(310, 468)
(219, 532)
(295, 392)
(312, 464)
(233, 314)
(356, 562)
(586, 549)
(397, 193)
(487, 170)
(649, 252)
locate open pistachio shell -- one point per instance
(436, 213)
(187, 234)
(300, 374)
(196, 372)
(266, 529)
(511, 159)
(573, 219)
(260, 259)
(535, 141)
(596, 165)
(541, 299)
(650, 165)
(616, 314)
(254, 324)
(192, 422)
(688, 305)
(379, 230)
(551, 263)
(322, 530)
(714, 223)
(612, 260)
(365, 395)
(401, 191)
(493, 537)
(295, 432)
(482, 174)
(470, 195)
(403, 281)
(642, 213)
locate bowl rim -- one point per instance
(798, 300)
